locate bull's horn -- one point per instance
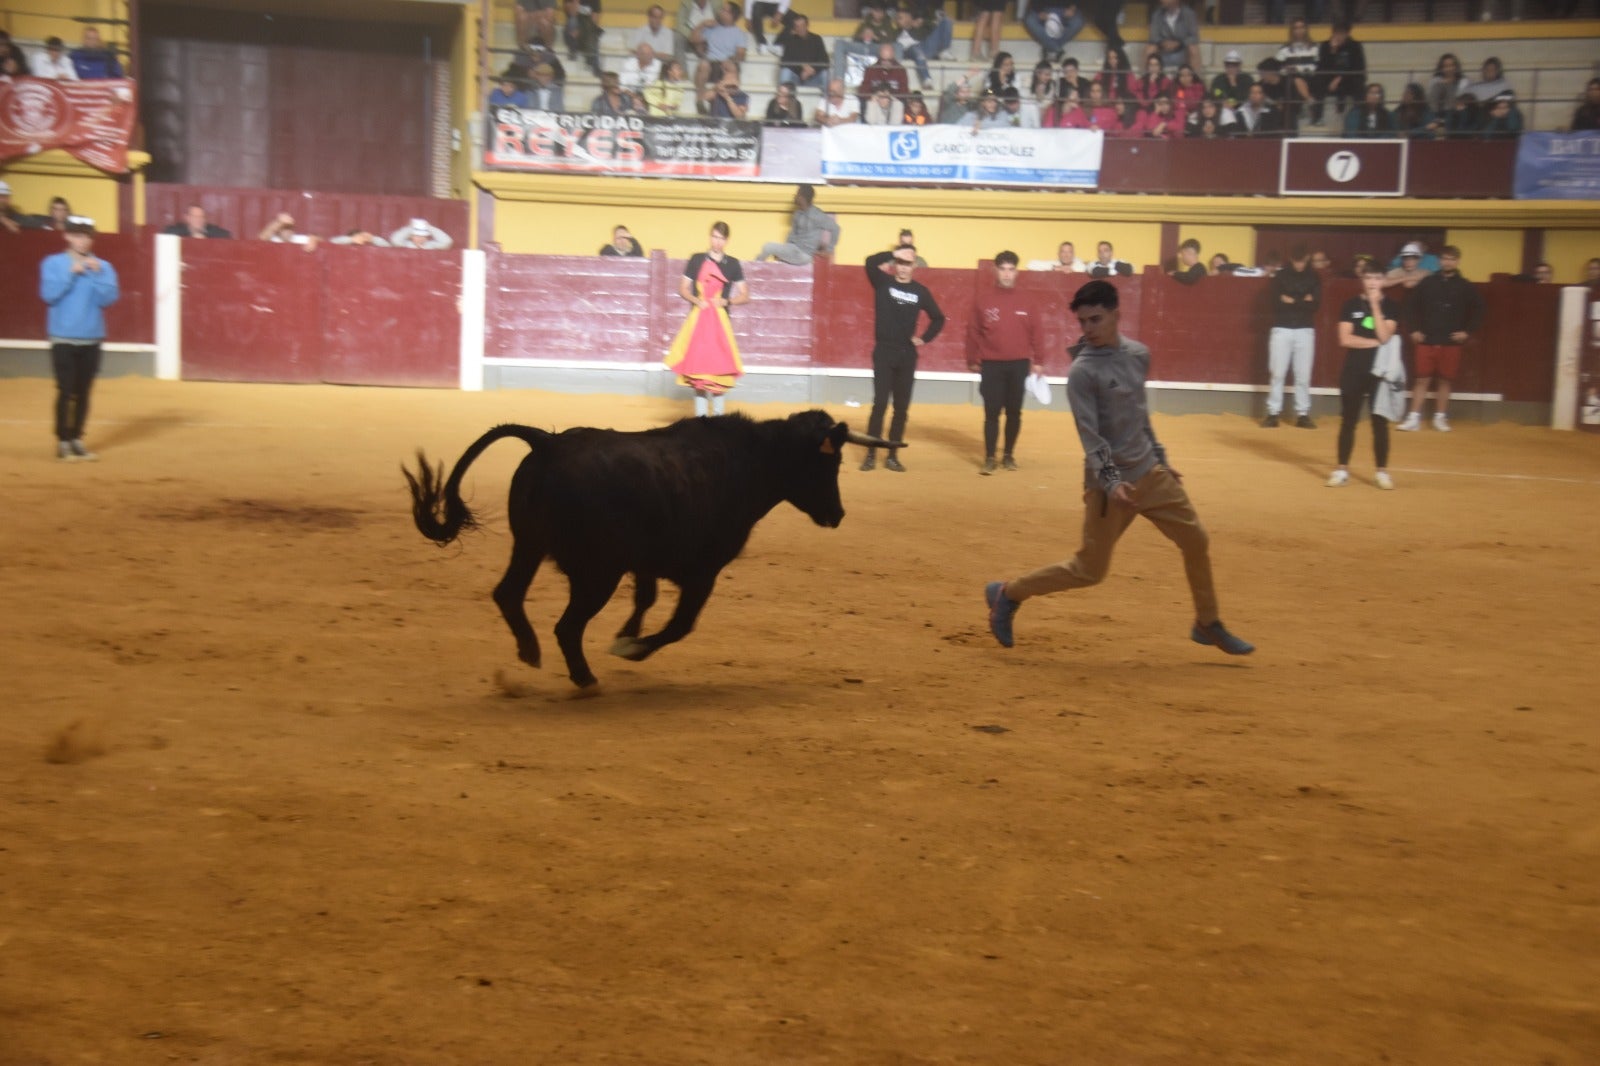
(855, 437)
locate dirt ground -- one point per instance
(264, 800)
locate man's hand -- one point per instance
(91, 264)
(973, 367)
(917, 342)
(1122, 495)
(1286, 298)
(77, 264)
(1175, 475)
(1459, 336)
(1416, 337)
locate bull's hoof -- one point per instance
(624, 647)
(587, 690)
(532, 658)
(635, 651)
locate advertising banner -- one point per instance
(1558, 166)
(93, 120)
(522, 139)
(932, 155)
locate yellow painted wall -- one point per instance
(1487, 251)
(1568, 250)
(36, 180)
(1238, 243)
(39, 19)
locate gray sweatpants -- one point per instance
(1286, 347)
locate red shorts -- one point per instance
(1442, 360)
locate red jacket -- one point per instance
(1006, 324)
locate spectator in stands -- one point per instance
(55, 219)
(664, 97)
(908, 239)
(1491, 81)
(1447, 82)
(1322, 264)
(1232, 87)
(1543, 274)
(360, 238)
(1160, 121)
(582, 32)
(989, 115)
(281, 230)
(613, 100)
(917, 110)
(853, 54)
(1503, 119)
(11, 220)
(622, 245)
(1052, 23)
(956, 103)
(18, 65)
(726, 99)
(1188, 269)
(805, 57)
(1065, 262)
(536, 21)
(1042, 95)
(1066, 113)
(420, 233)
(11, 67)
(812, 232)
(1341, 72)
(195, 224)
(1372, 118)
(1187, 91)
(1116, 84)
(1591, 273)
(1412, 117)
(882, 109)
(530, 56)
(1275, 94)
(1218, 266)
(52, 61)
(1411, 269)
(1011, 107)
(1258, 118)
(1072, 79)
(1002, 73)
(918, 37)
(507, 93)
(759, 15)
(1292, 344)
(1211, 120)
(1101, 114)
(1174, 34)
(1106, 263)
(885, 72)
(1298, 64)
(723, 40)
(1464, 117)
(544, 94)
(93, 60)
(654, 33)
(986, 30)
(695, 17)
(640, 70)
(784, 108)
(1587, 115)
(1152, 83)
(838, 107)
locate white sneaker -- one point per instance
(1441, 423)
(1383, 480)
(1338, 479)
(1410, 424)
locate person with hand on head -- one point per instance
(11, 220)
(898, 303)
(281, 230)
(420, 233)
(76, 287)
(1126, 474)
(1366, 323)
(623, 244)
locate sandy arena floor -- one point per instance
(293, 818)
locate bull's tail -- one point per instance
(436, 503)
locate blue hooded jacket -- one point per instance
(75, 300)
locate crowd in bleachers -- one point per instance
(89, 61)
(889, 72)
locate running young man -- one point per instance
(1125, 475)
(898, 303)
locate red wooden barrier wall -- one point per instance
(245, 211)
(130, 320)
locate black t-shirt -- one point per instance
(634, 250)
(730, 269)
(1358, 312)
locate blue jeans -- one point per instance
(790, 76)
(937, 43)
(1034, 22)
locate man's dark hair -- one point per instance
(1096, 294)
(806, 193)
(1269, 65)
(906, 248)
(1450, 249)
(906, 233)
(1190, 243)
(719, 228)
(1007, 258)
(1369, 266)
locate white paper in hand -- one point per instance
(1040, 388)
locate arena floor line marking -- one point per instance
(1425, 470)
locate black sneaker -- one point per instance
(894, 464)
(1270, 422)
(1216, 635)
(870, 462)
(1009, 463)
(989, 466)
(1304, 422)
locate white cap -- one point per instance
(1411, 249)
(1233, 56)
(5, 188)
(420, 227)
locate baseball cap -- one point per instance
(1411, 249)
(420, 228)
(1233, 56)
(79, 224)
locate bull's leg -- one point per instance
(644, 598)
(513, 590)
(589, 593)
(692, 596)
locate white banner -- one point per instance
(957, 155)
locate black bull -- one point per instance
(676, 503)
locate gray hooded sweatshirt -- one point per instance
(806, 229)
(1106, 391)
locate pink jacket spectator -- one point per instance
(1146, 88)
(1146, 124)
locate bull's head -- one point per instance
(815, 488)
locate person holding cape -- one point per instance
(704, 353)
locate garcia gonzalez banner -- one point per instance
(956, 155)
(1558, 166)
(622, 144)
(93, 120)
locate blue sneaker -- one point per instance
(1001, 610)
(1217, 635)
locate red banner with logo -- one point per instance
(93, 120)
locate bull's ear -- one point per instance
(834, 442)
(828, 448)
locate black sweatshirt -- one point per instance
(1441, 305)
(898, 306)
(1297, 284)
